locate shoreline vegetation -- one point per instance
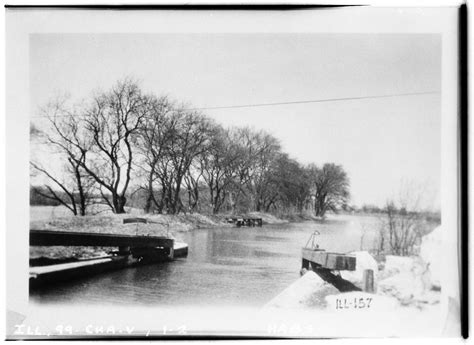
(58, 219)
(170, 225)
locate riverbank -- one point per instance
(408, 287)
(45, 218)
(57, 219)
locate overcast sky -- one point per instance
(379, 141)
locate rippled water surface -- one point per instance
(228, 266)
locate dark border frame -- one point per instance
(463, 170)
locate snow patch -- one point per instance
(301, 293)
(364, 261)
(430, 249)
(396, 264)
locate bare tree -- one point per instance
(403, 226)
(190, 132)
(152, 142)
(112, 122)
(172, 154)
(64, 135)
(330, 188)
(75, 189)
(267, 151)
(289, 186)
(192, 183)
(172, 138)
(258, 150)
(219, 166)
(243, 146)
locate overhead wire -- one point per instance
(254, 105)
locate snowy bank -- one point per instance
(415, 280)
(364, 261)
(407, 302)
(430, 248)
(308, 291)
(407, 280)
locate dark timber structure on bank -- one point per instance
(325, 264)
(132, 251)
(243, 221)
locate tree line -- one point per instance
(124, 144)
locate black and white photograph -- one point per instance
(210, 172)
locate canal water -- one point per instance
(224, 267)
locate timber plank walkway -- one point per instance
(38, 270)
(132, 251)
(67, 238)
